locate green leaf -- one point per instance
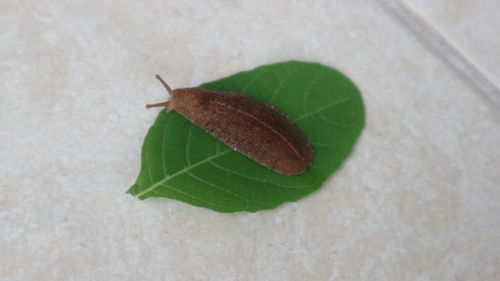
(181, 161)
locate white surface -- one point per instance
(417, 200)
(472, 26)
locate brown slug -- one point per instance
(250, 127)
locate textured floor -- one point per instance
(419, 199)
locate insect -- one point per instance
(250, 127)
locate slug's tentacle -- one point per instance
(161, 104)
(169, 90)
(165, 103)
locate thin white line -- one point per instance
(307, 92)
(444, 49)
(327, 145)
(320, 109)
(287, 76)
(255, 78)
(333, 123)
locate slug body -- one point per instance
(250, 127)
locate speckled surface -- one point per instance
(419, 199)
(470, 25)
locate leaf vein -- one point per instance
(336, 123)
(254, 179)
(180, 172)
(189, 195)
(321, 109)
(308, 90)
(219, 188)
(278, 88)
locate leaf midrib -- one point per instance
(180, 172)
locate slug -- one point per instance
(250, 127)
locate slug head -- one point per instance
(185, 98)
